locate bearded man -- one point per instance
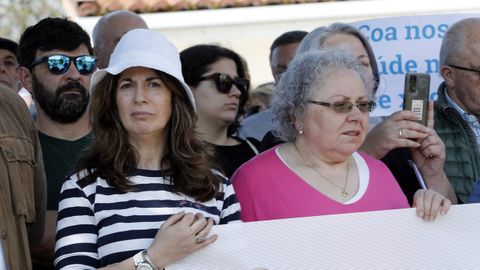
(56, 63)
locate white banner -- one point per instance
(406, 44)
(395, 239)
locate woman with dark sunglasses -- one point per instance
(217, 78)
(321, 107)
(144, 194)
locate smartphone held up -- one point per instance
(416, 93)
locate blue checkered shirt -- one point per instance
(469, 118)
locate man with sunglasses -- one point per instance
(457, 108)
(56, 62)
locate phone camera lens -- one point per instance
(413, 84)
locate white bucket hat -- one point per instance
(144, 48)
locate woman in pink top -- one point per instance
(322, 105)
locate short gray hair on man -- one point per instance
(455, 39)
(316, 39)
(305, 72)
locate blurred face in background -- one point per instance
(8, 69)
(280, 58)
(354, 44)
(111, 33)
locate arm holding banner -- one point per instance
(429, 203)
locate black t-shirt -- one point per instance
(397, 161)
(230, 157)
(60, 158)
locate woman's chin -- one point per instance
(228, 119)
(348, 149)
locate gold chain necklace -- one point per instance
(344, 193)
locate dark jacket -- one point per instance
(463, 157)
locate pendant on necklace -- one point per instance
(344, 193)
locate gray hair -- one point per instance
(456, 38)
(316, 38)
(306, 71)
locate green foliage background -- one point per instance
(16, 15)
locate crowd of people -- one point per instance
(131, 151)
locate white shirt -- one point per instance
(3, 263)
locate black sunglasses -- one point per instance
(224, 82)
(347, 106)
(466, 69)
(59, 63)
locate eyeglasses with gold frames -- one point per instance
(347, 106)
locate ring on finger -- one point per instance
(199, 239)
(400, 134)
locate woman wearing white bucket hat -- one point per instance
(126, 204)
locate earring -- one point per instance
(300, 132)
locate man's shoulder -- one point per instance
(9, 96)
(13, 109)
(256, 125)
(258, 118)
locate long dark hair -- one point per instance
(195, 63)
(111, 157)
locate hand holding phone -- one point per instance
(416, 93)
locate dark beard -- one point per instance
(60, 107)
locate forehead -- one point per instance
(224, 65)
(6, 53)
(348, 40)
(345, 83)
(138, 71)
(80, 50)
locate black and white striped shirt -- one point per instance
(99, 225)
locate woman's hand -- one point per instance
(430, 155)
(430, 159)
(430, 203)
(180, 235)
(398, 130)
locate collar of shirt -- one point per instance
(469, 118)
(452, 103)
